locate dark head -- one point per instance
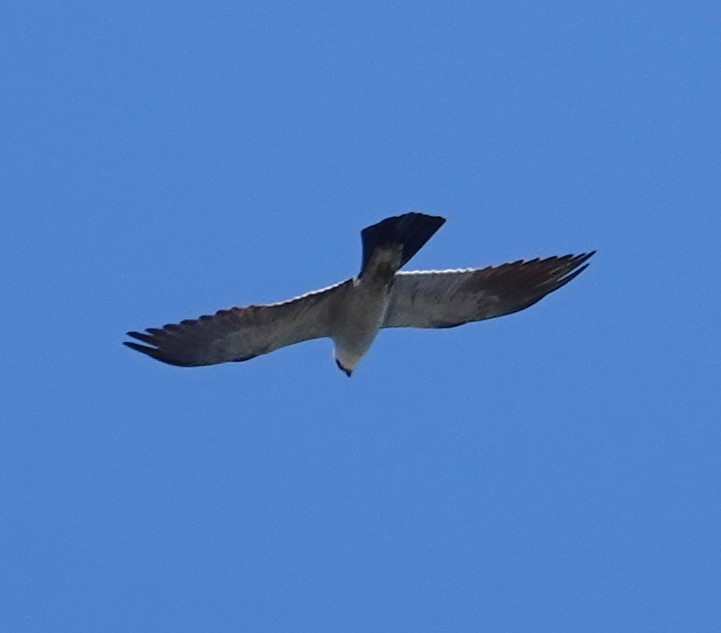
(347, 372)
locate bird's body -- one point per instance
(359, 322)
(352, 312)
(363, 310)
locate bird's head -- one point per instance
(346, 362)
(346, 371)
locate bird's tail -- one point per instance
(410, 230)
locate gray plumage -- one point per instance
(353, 311)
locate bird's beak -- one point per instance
(347, 372)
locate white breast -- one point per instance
(359, 321)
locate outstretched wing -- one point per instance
(446, 298)
(240, 334)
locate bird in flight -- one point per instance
(353, 311)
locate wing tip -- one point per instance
(579, 263)
(584, 257)
(154, 352)
(143, 349)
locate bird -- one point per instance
(353, 311)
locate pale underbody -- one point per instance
(364, 309)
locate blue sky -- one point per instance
(555, 470)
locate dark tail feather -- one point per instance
(412, 230)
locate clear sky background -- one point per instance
(555, 470)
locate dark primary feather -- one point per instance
(446, 298)
(240, 334)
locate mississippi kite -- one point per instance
(353, 311)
